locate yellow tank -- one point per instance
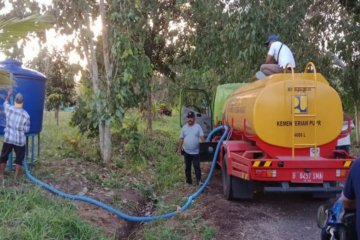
(271, 106)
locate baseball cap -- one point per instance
(271, 38)
(19, 98)
(190, 115)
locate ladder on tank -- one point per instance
(295, 116)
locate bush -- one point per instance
(83, 121)
(130, 135)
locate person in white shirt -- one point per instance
(344, 143)
(189, 144)
(279, 57)
(17, 124)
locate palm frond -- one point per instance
(14, 29)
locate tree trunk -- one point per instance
(106, 47)
(149, 107)
(108, 70)
(356, 120)
(57, 109)
(94, 71)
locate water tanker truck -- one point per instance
(283, 134)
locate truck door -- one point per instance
(198, 101)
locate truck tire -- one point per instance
(226, 180)
(233, 187)
(242, 189)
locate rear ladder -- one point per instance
(295, 115)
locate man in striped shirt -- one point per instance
(17, 124)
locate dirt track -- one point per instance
(275, 216)
(270, 217)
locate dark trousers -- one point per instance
(346, 148)
(195, 159)
(7, 149)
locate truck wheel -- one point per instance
(242, 189)
(226, 180)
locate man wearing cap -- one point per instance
(351, 194)
(17, 124)
(279, 57)
(191, 134)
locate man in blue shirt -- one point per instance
(191, 134)
(17, 124)
(351, 193)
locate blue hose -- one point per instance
(137, 218)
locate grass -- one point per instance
(152, 168)
(61, 141)
(29, 214)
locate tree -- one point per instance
(60, 87)
(82, 14)
(228, 38)
(106, 132)
(153, 31)
(334, 26)
(348, 50)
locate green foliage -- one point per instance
(83, 118)
(130, 135)
(35, 216)
(209, 233)
(14, 29)
(155, 171)
(53, 101)
(353, 6)
(147, 190)
(228, 44)
(160, 146)
(63, 141)
(333, 28)
(60, 86)
(162, 232)
(166, 230)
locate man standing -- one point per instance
(351, 193)
(191, 134)
(279, 57)
(345, 142)
(17, 124)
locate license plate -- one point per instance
(311, 177)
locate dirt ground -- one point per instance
(71, 179)
(274, 216)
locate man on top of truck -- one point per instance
(278, 58)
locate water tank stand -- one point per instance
(34, 140)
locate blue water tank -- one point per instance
(31, 84)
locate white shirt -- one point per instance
(17, 124)
(285, 57)
(191, 135)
